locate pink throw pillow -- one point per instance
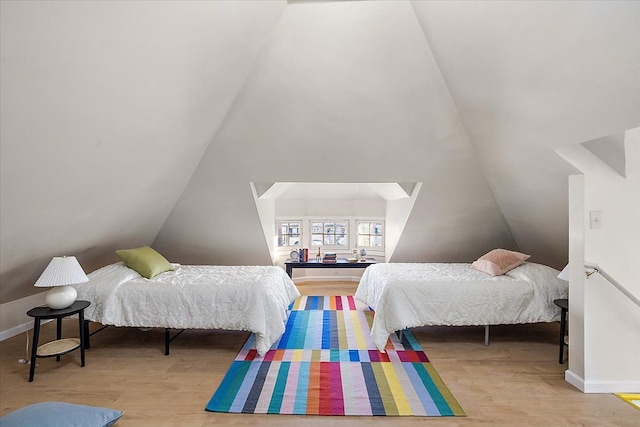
(499, 261)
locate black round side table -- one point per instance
(59, 346)
(563, 303)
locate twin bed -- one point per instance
(413, 295)
(257, 298)
(244, 298)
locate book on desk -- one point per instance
(330, 258)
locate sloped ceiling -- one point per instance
(527, 78)
(107, 108)
(131, 123)
(341, 92)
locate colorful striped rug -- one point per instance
(326, 364)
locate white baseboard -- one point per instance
(601, 386)
(16, 330)
(575, 380)
(13, 315)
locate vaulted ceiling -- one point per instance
(143, 122)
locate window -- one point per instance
(337, 234)
(288, 233)
(370, 234)
(330, 233)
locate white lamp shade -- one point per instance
(564, 274)
(62, 271)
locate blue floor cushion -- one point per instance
(54, 414)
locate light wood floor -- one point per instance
(516, 381)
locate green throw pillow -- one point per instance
(146, 261)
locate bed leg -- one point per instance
(166, 341)
(87, 335)
(486, 335)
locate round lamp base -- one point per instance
(60, 297)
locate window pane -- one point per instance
(376, 241)
(376, 229)
(363, 240)
(330, 233)
(363, 228)
(288, 233)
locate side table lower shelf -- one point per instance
(58, 347)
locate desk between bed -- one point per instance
(340, 263)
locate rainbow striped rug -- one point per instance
(326, 364)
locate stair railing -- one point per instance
(596, 269)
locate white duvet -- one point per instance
(246, 298)
(412, 295)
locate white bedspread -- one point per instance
(246, 298)
(412, 295)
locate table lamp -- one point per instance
(564, 274)
(59, 274)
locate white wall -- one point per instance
(13, 315)
(576, 315)
(397, 214)
(330, 208)
(106, 109)
(266, 209)
(342, 92)
(529, 77)
(610, 322)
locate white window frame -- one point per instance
(357, 234)
(322, 247)
(279, 223)
(305, 235)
